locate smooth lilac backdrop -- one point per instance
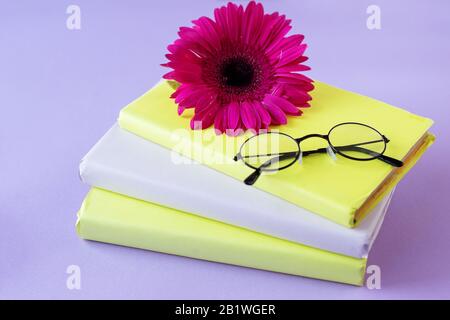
(60, 90)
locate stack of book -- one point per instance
(160, 186)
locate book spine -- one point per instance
(113, 218)
(288, 226)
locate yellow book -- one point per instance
(343, 190)
(113, 218)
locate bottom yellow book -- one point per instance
(113, 218)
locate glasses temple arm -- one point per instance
(389, 160)
(251, 179)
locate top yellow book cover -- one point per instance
(337, 188)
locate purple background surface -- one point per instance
(61, 89)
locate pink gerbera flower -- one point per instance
(240, 70)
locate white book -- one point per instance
(127, 164)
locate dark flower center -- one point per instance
(237, 72)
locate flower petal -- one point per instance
(208, 29)
(233, 115)
(247, 115)
(283, 104)
(219, 124)
(278, 116)
(264, 115)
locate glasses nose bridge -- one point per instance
(313, 135)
